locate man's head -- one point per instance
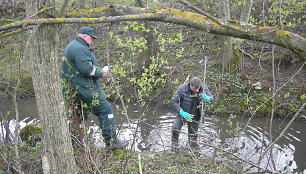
(195, 84)
(86, 33)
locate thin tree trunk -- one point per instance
(244, 18)
(43, 61)
(226, 53)
(63, 8)
(226, 41)
(272, 104)
(17, 126)
(246, 11)
(81, 4)
(152, 46)
(140, 3)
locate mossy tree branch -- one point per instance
(272, 35)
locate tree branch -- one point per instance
(7, 34)
(283, 132)
(286, 39)
(43, 10)
(222, 23)
(276, 91)
(238, 158)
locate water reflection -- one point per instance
(153, 132)
(287, 155)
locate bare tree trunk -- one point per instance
(17, 126)
(140, 3)
(43, 61)
(272, 105)
(246, 11)
(81, 4)
(244, 18)
(144, 57)
(226, 47)
(63, 8)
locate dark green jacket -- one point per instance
(80, 69)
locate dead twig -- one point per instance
(283, 132)
(232, 155)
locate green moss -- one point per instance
(270, 57)
(80, 12)
(191, 16)
(31, 134)
(282, 33)
(233, 21)
(265, 28)
(60, 19)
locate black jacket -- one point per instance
(188, 100)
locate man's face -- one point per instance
(88, 39)
(194, 88)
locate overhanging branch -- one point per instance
(286, 39)
(7, 34)
(219, 22)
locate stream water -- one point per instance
(153, 132)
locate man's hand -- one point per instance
(205, 97)
(185, 115)
(105, 71)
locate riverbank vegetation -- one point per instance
(150, 59)
(100, 160)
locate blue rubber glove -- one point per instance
(185, 115)
(205, 97)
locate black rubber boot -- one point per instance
(175, 138)
(117, 144)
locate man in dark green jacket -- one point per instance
(81, 74)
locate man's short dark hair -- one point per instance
(196, 82)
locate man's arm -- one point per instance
(207, 92)
(85, 65)
(175, 100)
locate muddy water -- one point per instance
(153, 132)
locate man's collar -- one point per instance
(78, 38)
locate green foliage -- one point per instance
(303, 97)
(233, 128)
(135, 26)
(29, 149)
(182, 159)
(146, 80)
(30, 156)
(234, 95)
(287, 13)
(95, 100)
(149, 83)
(165, 42)
(161, 163)
(12, 65)
(209, 6)
(281, 13)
